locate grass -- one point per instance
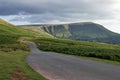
(101, 60)
(8, 39)
(4, 22)
(80, 48)
(13, 53)
(11, 30)
(11, 62)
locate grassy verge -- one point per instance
(101, 60)
(14, 67)
(12, 60)
(80, 48)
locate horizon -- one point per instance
(103, 12)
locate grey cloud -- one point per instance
(52, 6)
(63, 10)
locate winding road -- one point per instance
(54, 66)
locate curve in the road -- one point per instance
(56, 66)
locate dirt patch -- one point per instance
(18, 74)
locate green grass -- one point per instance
(80, 48)
(13, 53)
(10, 61)
(8, 39)
(5, 23)
(18, 31)
(101, 60)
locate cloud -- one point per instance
(61, 11)
(14, 7)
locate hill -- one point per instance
(13, 52)
(10, 33)
(86, 31)
(5, 23)
(9, 29)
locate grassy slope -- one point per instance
(4, 22)
(13, 53)
(13, 30)
(12, 65)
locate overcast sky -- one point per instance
(105, 12)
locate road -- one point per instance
(54, 66)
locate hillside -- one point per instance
(9, 29)
(5, 23)
(86, 31)
(13, 52)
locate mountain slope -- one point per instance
(10, 34)
(5, 23)
(86, 31)
(13, 52)
(9, 29)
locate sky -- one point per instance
(104, 12)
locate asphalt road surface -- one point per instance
(54, 66)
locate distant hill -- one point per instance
(3, 22)
(9, 29)
(86, 31)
